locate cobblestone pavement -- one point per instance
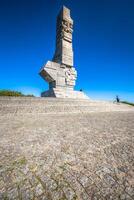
(67, 157)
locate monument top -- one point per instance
(64, 29)
(65, 12)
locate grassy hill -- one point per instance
(129, 103)
(13, 93)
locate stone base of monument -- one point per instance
(64, 93)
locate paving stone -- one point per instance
(71, 155)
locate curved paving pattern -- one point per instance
(71, 155)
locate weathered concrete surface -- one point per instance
(56, 155)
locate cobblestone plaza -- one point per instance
(61, 153)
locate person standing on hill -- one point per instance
(117, 99)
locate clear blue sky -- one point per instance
(103, 42)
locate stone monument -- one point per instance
(60, 73)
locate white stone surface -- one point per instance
(64, 93)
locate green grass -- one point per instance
(129, 103)
(13, 93)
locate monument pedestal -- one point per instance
(64, 93)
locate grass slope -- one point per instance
(13, 93)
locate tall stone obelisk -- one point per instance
(60, 73)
